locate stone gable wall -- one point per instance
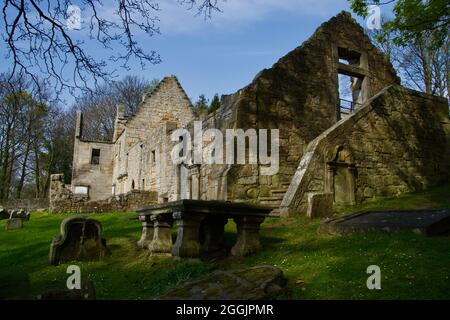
(299, 96)
(165, 108)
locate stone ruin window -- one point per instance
(350, 97)
(153, 157)
(349, 57)
(133, 185)
(350, 81)
(95, 156)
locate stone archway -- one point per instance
(341, 176)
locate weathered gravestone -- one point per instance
(4, 214)
(257, 283)
(15, 223)
(19, 214)
(80, 239)
(14, 213)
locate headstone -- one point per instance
(14, 223)
(320, 205)
(257, 283)
(80, 239)
(4, 214)
(20, 214)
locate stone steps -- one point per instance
(276, 192)
(274, 200)
(271, 198)
(275, 213)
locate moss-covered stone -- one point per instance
(257, 283)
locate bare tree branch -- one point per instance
(39, 39)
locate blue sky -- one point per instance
(223, 54)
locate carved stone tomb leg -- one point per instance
(213, 229)
(147, 232)
(162, 234)
(247, 235)
(188, 240)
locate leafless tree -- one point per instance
(23, 113)
(99, 107)
(421, 64)
(39, 39)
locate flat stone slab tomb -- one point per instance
(433, 222)
(200, 227)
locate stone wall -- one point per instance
(96, 177)
(396, 143)
(28, 204)
(63, 200)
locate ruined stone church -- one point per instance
(382, 140)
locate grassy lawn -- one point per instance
(317, 266)
(434, 198)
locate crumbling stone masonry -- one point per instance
(62, 199)
(400, 145)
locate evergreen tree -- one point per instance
(215, 103)
(202, 104)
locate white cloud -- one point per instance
(178, 19)
(235, 13)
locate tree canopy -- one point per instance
(413, 18)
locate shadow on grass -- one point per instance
(334, 267)
(435, 198)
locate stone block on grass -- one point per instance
(15, 223)
(319, 205)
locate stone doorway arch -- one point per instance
(341, 176)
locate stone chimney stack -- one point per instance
(119, 125)
(120, 113)
(79, 125)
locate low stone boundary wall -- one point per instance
(63, 200)
(27, 204)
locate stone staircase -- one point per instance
(274, 200)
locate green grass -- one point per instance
(321, 266)
(128, 273)
(434, 198)
(317, 266)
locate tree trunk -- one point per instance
(23, 172)
(37, 175)
(426, 65)
(5, 164)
